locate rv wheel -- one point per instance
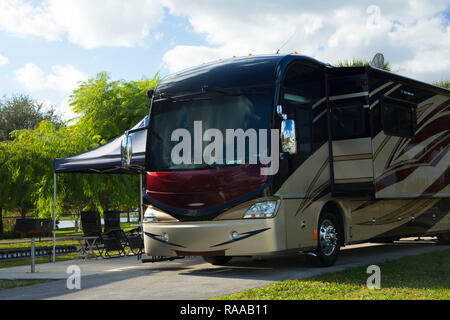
(217, 260)
(444, 238)
(328, 240)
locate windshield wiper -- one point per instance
(205, 89)
(182, 98)
(192, 167)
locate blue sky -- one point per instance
(47, 46)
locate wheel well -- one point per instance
(334, 208)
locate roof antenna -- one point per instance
(295, 32)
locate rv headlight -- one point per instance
(264, 209)
(149, 215)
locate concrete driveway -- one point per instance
(126, 278)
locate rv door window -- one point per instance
(399, 117)
(348, 121)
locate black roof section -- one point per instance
(258, 70)
(248, 71)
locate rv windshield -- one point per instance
(250, 109)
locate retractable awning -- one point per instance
(108, 157)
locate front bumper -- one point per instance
(214, 238)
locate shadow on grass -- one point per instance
(430, 270)
(426, 276)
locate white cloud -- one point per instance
(65, 111)
(87, 23)
(413, 34)
(3, 60)
(62, 78)
(62, 109)
(22, 18)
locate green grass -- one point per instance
(45, 259)
(423, 277)
(8, 284)
(38, 260)
(38, 244)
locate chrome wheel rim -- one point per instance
(328, 237)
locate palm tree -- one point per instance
(442, 83)
(356, 62)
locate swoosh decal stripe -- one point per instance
(246, 235)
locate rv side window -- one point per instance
(399, 117)
(348, 121)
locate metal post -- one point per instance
(33, 269)
(140, 199)
(54, 218)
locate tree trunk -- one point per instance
(76, 222)
(78, 218)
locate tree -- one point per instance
(355, 62)
(22, 112)
(4, 178)
(442, 83)
(108, 108)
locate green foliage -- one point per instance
(22, 112)
(361, 63)
(443, 83)
(106, 109)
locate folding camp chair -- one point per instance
(91, 223)
(135, 243)
(114, 241)
(112, 220)
(92, 227)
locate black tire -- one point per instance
(217, 260)
(328, 240)
(444, 238)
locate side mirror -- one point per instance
(126, 151)
(280, 112)
(288, 137)
(150, 93)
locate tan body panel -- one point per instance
(352, 161)
(407, 169)
(203, 238)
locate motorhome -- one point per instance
(362, 156)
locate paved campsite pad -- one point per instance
(127, 278)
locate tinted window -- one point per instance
(348, 121)
(300, 110)
(320, 130)
(399, 117)
(304, 88)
